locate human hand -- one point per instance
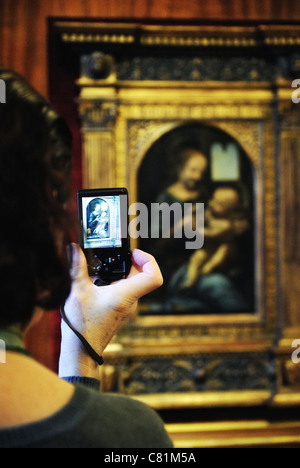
(99, 312)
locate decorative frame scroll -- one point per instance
(138, 82)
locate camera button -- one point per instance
(95, 264)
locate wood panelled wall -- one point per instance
(24, 48)
(23, 23)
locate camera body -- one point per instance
(103, 232)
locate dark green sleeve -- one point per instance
(87, 381)
(126, 422)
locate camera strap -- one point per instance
(85, 343)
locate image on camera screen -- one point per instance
(101, 222)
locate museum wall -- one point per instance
(23, 23)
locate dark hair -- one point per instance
(35, 176)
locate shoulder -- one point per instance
(126, 422)
(80, 417)
(99, 420)
(92, 420)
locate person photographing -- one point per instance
(40, 270)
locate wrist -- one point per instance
(74, 359)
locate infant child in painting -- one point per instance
(224, 221)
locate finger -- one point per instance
(137, 260)
(145, 262)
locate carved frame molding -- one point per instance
(123, 112)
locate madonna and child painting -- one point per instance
(200, 164)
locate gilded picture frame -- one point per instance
(143, 87)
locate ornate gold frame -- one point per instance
(146, 112)
(121, 118)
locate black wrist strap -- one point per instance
(85, 343)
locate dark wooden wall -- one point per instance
(24, 48)
(23, 23)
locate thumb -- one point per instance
(78, 268)
(146, 278)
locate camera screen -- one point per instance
(101, 219)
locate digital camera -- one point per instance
(104, 238)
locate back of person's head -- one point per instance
(35, 167)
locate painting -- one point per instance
(97, 217)
(196, 164)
